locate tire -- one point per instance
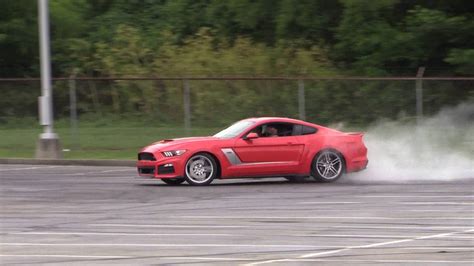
(200, 169)
(173, 181)
(327, 166)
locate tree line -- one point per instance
(240, 37)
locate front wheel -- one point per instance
(200, 169)
(327, 166)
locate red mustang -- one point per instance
(256, 147)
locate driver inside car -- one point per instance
(270, 131)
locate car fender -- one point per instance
(215, 152)
(324, 142)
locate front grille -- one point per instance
(146, 156)
(146, 170)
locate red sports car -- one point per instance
(256, 147)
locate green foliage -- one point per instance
(203, 55)
(104, 38)
(359, 36)
(18, 38)
(463, 59)
(373, 39)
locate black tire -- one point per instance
(200, 169)
(173, 181)
(328, 166)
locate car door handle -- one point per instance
(289, 143)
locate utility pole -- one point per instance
(301, 101)
(48, 145)
(419, 95)
(187, 107)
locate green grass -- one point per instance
(98, 137)
(104, 142)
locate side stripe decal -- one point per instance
(231, 156)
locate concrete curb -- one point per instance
(68, 162)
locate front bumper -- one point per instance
(163, 168)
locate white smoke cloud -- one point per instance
(441, 148)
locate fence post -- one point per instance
(301, 100)
(187, 107)
(73, 110)
(419, 95)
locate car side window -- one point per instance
(274, 130)
(300, 130)
(297, 129)
(308, 130)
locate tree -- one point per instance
(18, 39)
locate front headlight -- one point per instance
(173, 153)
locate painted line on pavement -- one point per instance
(21, 244)
(317, 254)
(100, 172)
(395, 203)
(379, 261)
(168, 225)
(321, 217)
(206, 258)
(113, 234)
(330, 202)
(436, 203)
(330, 252)
(415, 196)
(235, 259)
(30, 168)
(450, 210)
(421, 227)
(438, 248)
(355, 236)
(65, 256)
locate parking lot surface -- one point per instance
(106, 215)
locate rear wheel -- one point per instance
(327, 166)
(173, 181)
(200, 169)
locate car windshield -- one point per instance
(234, 130)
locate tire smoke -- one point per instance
(440, 148)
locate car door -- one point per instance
(268, 155)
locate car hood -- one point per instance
(169, 144)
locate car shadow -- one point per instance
(236, 182)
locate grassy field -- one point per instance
(92, 142)
(98, 137)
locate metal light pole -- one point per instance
(187, 107)
(301, 101)
(48, 145)
(419, 95)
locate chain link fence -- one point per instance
(188, 105)
(218, 101)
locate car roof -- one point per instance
(291, 120)
(279, 119)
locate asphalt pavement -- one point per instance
(84, 215)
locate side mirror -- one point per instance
(251, 135)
